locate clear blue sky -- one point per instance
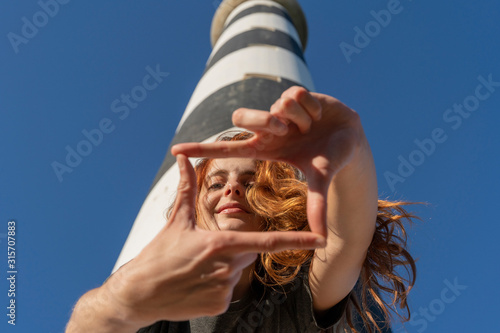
(404, 82)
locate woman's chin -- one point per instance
(235, 224)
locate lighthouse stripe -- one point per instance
(248, 4)
(258, 9)
(255, 37)
(274, 61)
(269, 22)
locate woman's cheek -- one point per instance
(208, 210)
(211, 202)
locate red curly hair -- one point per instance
(279, 196)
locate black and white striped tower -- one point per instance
(257, 54)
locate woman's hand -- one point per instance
(183, 273)
(315, 132)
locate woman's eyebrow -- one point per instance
(219, 172)
(248, 173)
(222, 172)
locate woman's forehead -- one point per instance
(228, 165)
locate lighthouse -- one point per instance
(257, 53)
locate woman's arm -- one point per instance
(351, 215)
(96, 312)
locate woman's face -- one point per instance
(222, 198)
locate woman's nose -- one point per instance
(234, 188)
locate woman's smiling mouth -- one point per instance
(232, 208)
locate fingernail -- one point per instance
(172, 150)
(321, 242)
(180, 161)
(278, 126)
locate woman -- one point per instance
(191, 271)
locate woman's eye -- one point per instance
(216, 186)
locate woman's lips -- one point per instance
(231, 208)
(232, 211)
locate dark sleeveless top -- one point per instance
(263, 309)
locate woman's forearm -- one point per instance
(351, 219)
(352, 200)
(95, 312)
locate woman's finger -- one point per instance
(270, 241)
(287, 109)
(220, 149)
(258, 121)
(183, 210)
(306, 99)
(316, 212)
